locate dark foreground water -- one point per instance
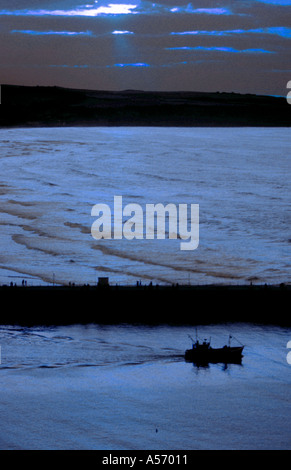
(129, 388)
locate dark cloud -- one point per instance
(170, 45)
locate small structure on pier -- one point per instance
(103, 281)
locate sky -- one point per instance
(239, 46)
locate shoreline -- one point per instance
(185, 126)
(145, 304)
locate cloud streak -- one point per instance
(111, 9)
(283, 32)
(277, 31)
(119, 9)
(52, 33)
(219, 49)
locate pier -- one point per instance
(145, 304)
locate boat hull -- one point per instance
(226, 355)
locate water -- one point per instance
(51, 178)
(128, 388)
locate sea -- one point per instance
(127, 387)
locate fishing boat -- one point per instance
(202, 353)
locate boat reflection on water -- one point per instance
(202, 354)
